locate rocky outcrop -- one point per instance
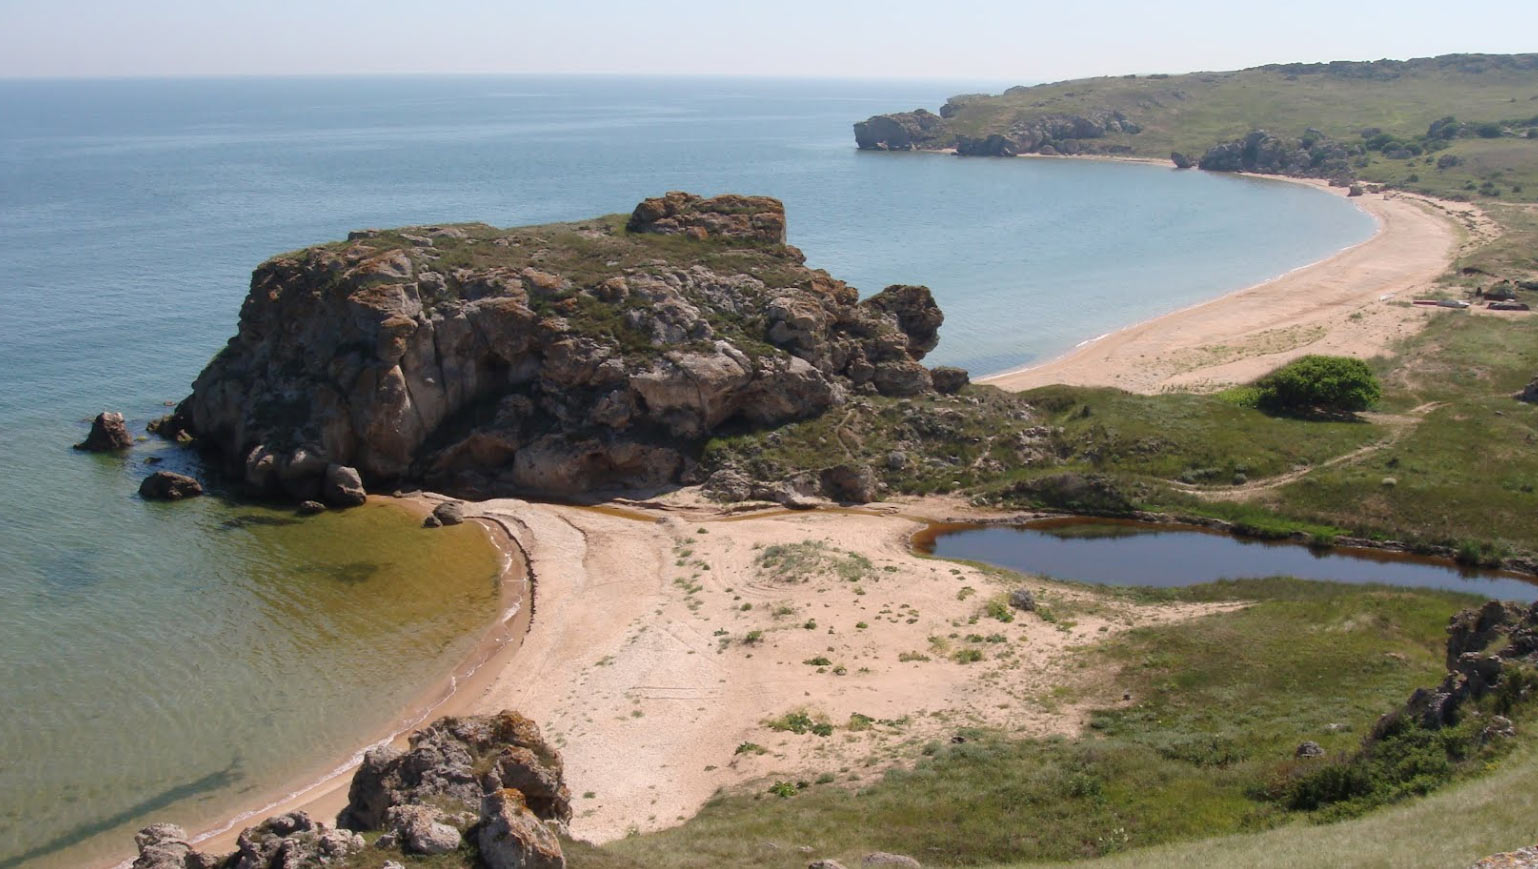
(165, 846)
(512, 837)
(1312, 156)
(169, 486)
(487, 779)
(1181, 161)
(293, 841)
(1483, 648)
(109, 433)
(743, 218)
(545, 360)
(1529, 392)
(455, 762)
(903, 131)
(1050, 134)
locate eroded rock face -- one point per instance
(109, 433)
(1483, 648)
(1311, 156)
(752, 218)
(454, 762)
(903, 131)
(545, 360)
(512, 837)
(293, 841)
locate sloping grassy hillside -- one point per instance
(1494, 97)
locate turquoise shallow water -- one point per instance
(164, 662)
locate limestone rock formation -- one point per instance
(1312, 156)
(169, 486)
(903, 131)
(749, 218)
(109, 432)
(544, 360)
(488, 777)
(512, 837)
(165, 846)
(1052, 134)
(454, 762)
(1181, 161)
(291, 841)
(1482, 646)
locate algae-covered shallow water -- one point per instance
(182, 661)
(157, 662)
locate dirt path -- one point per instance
(1398, 426)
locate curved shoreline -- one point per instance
(323, 792)
(480, 681)
(1343, 304)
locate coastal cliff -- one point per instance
(545, 360)
(1452, 126)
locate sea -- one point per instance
(178, 662)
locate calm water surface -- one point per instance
(1129, 554)
(171, 661)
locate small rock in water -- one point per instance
(169, 486)
(449, 513)
(108, 433)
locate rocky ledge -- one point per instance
(549, 360)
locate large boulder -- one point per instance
(293, 841)
(109, 433)
(165, 846)
(544, 360)
(513, 837)
(424, 829)
(452, 763)
(169, 486)
(343, 487)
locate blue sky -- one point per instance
(1022, 40)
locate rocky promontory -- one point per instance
(542, 360)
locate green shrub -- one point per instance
(1330, 384)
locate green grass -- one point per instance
(1218, 706)
(1194, 111)
(1451, 828)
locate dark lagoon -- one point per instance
(1129, 553)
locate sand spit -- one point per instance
(1354, 303)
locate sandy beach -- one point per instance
(1354, 303)
(660, 643)
(664, 641)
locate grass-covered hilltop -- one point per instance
(1463, 125)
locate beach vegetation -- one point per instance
(1326, 385)
(1206, 748)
